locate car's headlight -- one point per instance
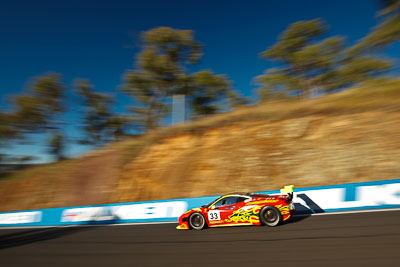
(291, 206)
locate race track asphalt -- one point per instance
(361, 239)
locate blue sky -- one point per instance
(97, 40)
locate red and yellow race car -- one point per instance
(241, 209)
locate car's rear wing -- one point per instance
(288, 189)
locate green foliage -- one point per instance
(161, 71)
(306, 62)
(99, 122)
(206, 89)
(96, 113)
(57, 146)
(149, 95)
(236, 100)
(7, 131)
(37, 109)
(276, 84)
(362, 68)
(294, 39)
(388, 31)
(309, 65)
(117, 125)
(171, 47)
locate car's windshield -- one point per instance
(209, 204)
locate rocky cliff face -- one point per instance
(259, 155)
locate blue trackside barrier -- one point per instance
(344, 197)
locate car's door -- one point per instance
(221, 210)
(241, 201)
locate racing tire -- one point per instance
(197, 221)
(270, 216)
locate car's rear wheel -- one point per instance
(270, 216)
(197, 221)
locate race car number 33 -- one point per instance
(213, 215)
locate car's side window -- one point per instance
(240, 199)
(226, 201)
(220, 203)
(231, 201)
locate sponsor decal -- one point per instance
(214, 222)
(245, 216)
(21, 217)
(266, 201)
(283, 209)
(172, 209)
(249, 207)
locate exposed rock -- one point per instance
(309, 151)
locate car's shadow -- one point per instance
(21, 238)
(304, 212)
(297, 218)
(311, 207)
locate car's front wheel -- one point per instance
(197, 221)
(270, 216)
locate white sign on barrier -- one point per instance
(21, 217)
(125, 212)
(388, 194)
(151, 210)
(350, 197)
(87, 214)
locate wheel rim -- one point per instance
(197, 220)
(270, 215)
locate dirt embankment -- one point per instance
(309, 151)
(85, 181)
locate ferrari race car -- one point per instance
(241, 209)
